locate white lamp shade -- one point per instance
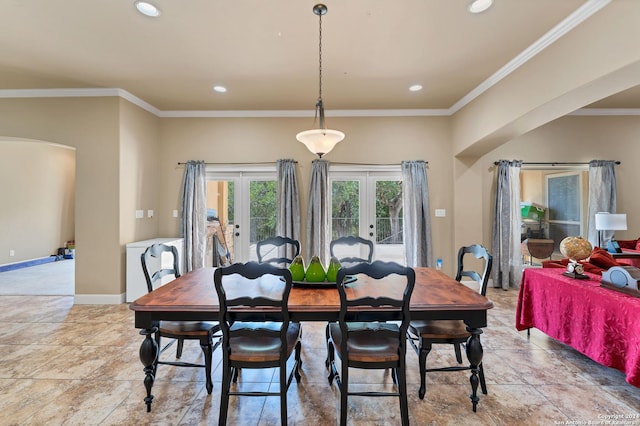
(320, 141)
(611, 222)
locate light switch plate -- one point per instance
(149, 213)
(441, 212)
(175, 213)
(139, 214)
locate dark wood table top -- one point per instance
(626, 254)
(193, 297)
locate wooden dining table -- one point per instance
(192, 297)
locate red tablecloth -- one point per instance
(601, 323)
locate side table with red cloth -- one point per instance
(601, 323)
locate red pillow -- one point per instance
(638, 245)
(602, 258)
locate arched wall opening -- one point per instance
(38, 209)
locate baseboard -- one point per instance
(27, 263)
(99, 299)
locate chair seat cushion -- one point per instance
(255, 345)
(440, 329)
(372, 342)
(187, 329)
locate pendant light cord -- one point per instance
(320, 58)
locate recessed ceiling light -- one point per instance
(479, 6)
(219, 89)
(147, 9)
(415, 87)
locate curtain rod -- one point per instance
(366, 164)
(555, 163)
(235, 164)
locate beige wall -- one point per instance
(572, 139)
(139, 179)
(91, 125)
(126, 159)
(579, 68)
(368, 141)
(38, 196)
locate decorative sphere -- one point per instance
(575, 248)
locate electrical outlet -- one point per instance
(12, 252)
(175, 213)
(149, 213)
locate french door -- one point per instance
(566, 200)
(245, 205)
(368, 203)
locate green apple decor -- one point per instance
(332, 270)
(297, 269)
(315, 271)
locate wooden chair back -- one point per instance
(286, 249)
(153, 256)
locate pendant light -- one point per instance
(320, 140)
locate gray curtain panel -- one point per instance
(193, 215)
(416, 217)
(288, 202)
(602, 196)
(318, 212)
(507, 257)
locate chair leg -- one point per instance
(330, 361)
(224, 393)
(298, 361)
(402, 390)
(422, 362)
(344, 392)
(483, 384)
(155, 366)
(283, 392)
(326, 333)
(458, 353)
(207, 350)
(179, 349)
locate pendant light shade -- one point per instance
(320, 140)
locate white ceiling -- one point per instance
(266, 53)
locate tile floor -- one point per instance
(66, 364)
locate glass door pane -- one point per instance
(241, 211)
(389, 244)
(368, 204)
(565, 201)
(262, 213)
(220, 223)
(345, 214)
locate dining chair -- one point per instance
(362, 337)
(286, 249)
(422, 335)
(251, 340)
(352, 241)
(160, 264)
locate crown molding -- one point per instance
(84, 93)
(606, 112)
(306, 113)
(570, 22)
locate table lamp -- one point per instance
(609, 222)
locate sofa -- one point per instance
(599, 261)
(630, 245)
